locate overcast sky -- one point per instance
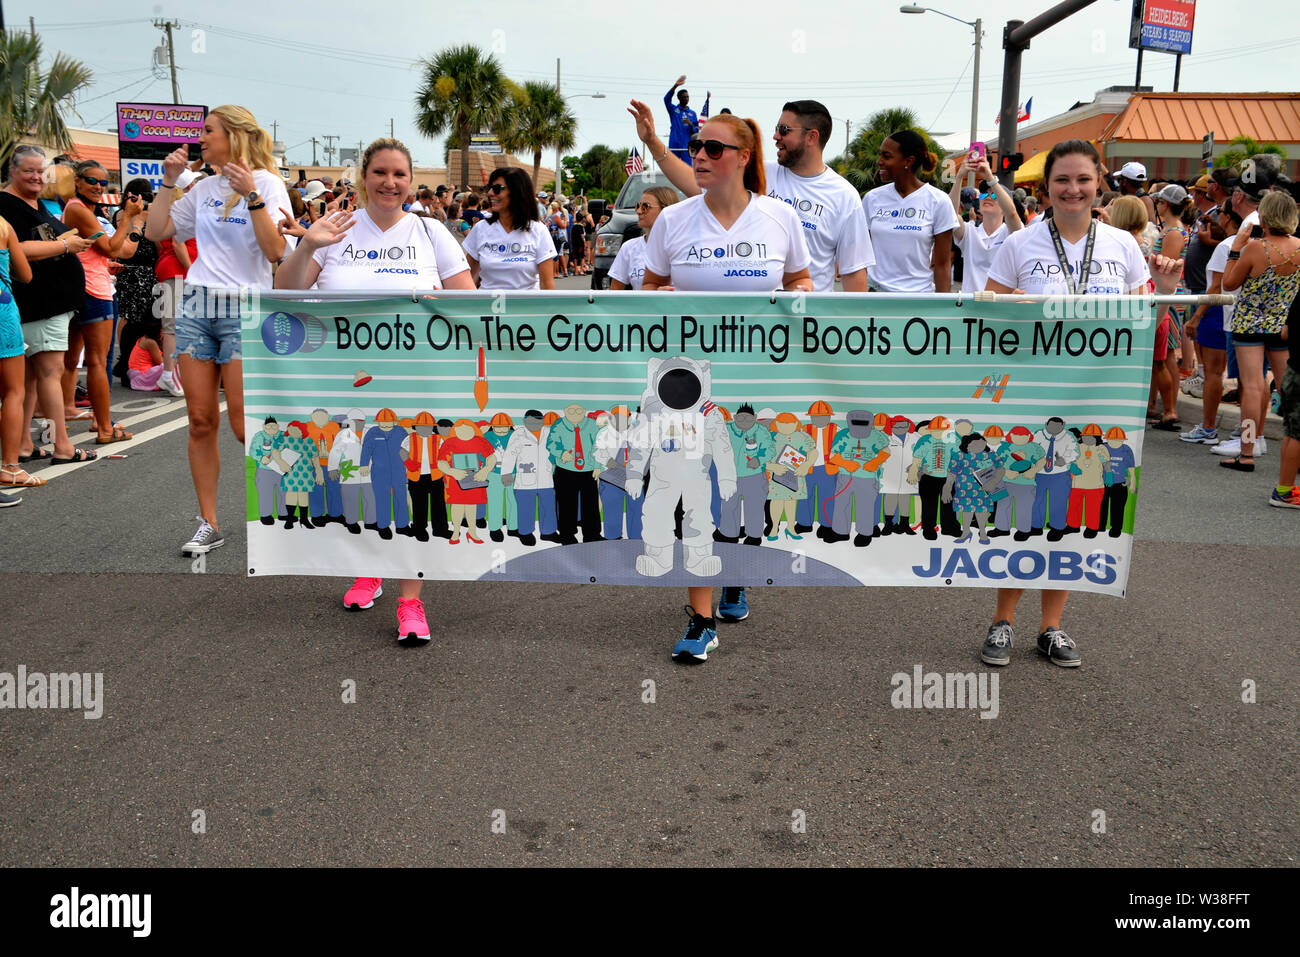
(319, 68)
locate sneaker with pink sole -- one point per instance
(412, 626)
(363, 593)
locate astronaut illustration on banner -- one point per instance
(680, 434)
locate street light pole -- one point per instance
(978, 26)
(558, 178)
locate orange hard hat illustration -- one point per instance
(425, 418)
(502, 419)
(994, 432)
(939, 423)
(385, 415)
(1115, 432)
(881, 421)
(620, 410)
(820, 408)
(1091, 429)
(550, 418)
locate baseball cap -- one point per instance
(186, 178)
(1173, 193)
(969, 195)
(315, 189)
(440, 191)
(1134, 171)
(1202, 185)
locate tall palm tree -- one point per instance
(1243, 148)
(31, 101)
(461, 91)
(864, 150)
(539, 119)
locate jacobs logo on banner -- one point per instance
(675, 439)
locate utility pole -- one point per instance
(329, 149)
(275, 130)
(167, 25)
(391, 134)
(313, 151)
(558, 178)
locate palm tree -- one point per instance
(859, 161)
(34, 102)
(539, 119)
(462, 91)
(1243, 148)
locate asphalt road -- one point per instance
(224, 695)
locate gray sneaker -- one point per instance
(204, 540)
(1059, 648)
(997, 646)
(7, 500)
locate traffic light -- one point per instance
(1011, 162)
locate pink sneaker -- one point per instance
(363, 593)
(412, 627)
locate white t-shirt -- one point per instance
(414, 252)
(229, 256)
(690, 246)
(902, 233)
(835, 228)
(1028, 261)
(509, 260)
(629, 265)
(978, 248)
(1219, 263)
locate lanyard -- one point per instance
(1085, 268)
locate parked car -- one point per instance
(622, 223)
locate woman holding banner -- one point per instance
(1045, 258)
(379, 223)
(230, 216)
(728, 166)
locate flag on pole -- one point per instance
(704, 113)
(633, 164)
(1022, 112)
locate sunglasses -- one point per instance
(646, 207)
(497, 188)
(783, 130)
(984, 196)
(92, 181)
(712, 148)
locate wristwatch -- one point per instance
(134, 236)
(254, 201)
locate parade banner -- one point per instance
(692, 439)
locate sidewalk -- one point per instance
(1190, 411)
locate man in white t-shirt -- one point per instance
(827, 207)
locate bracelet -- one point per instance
(66, 248)
(257, 207)
(167, 185)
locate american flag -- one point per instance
(634, 163)
(704, 113)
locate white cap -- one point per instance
(1173, 193)
(314, 189)
(186, 178)
(766, 413)
(1134, 171)
(355, 414)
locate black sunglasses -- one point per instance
(646, 207)
(497, 188)
(712, 148)
(783, 130)
(92, 181)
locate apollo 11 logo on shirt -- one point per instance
(739, 255)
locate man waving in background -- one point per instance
(682, 121)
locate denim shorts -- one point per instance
(207, 327)
(93, 310)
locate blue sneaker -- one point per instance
(733, 606)
(701, 637)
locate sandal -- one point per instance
(1167, 425)
(119, 435)
(36, 456)
(9, 477)
(80, 416)
(78, 455)
(1237, 465)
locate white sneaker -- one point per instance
(1233, 447)
(168, 381)
(1194, 386)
